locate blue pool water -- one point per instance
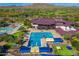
(6, 28)
(35, 38)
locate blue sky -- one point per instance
(27, 4)
(15, 4)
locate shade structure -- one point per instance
(58, 40)
(45, 49)
(58, 47)
(49, 39)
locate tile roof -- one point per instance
(62, 32)
(43, 21)
(58, 22)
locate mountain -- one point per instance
(41, 5)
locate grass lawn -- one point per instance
(18, 34)
(78, 53)
(63, 51)
(10, 44)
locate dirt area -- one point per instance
(3, 43)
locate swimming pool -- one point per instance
(5, 29)
(35, 38)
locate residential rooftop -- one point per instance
(58, 22)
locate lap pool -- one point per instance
(35, 38)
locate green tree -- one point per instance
(75, 43)
(77, 34)
(67, 37)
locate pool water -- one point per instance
(6, 28)
(35, 38)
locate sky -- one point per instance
(27, 4)
(15, 4)
(66, 4)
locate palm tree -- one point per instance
(77, 34)
(67, 37)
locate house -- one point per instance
(43, 23)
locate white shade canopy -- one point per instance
(49, 39)
(58, 47)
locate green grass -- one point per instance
(18, 34)
(63, 51)
(10, 44)
(78, 53)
